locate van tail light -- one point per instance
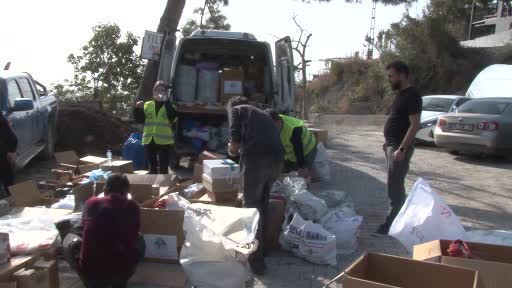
(488, 126)
(441, 123)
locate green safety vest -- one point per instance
(157, 127)
(308, 139)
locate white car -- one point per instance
(433, 107)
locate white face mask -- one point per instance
(161, 97)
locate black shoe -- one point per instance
(382, 231)
(258, 267)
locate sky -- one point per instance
(38, 35)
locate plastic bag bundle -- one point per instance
(293, 185)
(186, 79)
(425, 217)
(309, 241)
(30, 234)
(321, 166)
(208, 86)
(308, 206)
(346, 230)
(218, 243)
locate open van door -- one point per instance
(166, 58)
(285, 76)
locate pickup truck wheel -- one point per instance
(49, 148)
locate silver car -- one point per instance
(433, 107)
(480, 126)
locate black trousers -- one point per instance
(71, 246)
(158, 157)
(258, 175)
(6, 176)
(397, 171)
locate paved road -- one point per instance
(477, 189)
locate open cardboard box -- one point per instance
(41, 274)
(119, 166)
(27, 194)
(163, 233)
(69, 161)
(385, 271)
(493, 262)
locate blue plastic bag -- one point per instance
(133, 150)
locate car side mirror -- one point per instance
(22, 104)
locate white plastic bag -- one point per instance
(191, 190)
(293, 185)
(321, 166)
(346, 230)
(218, 243)
(490, 237)
(66, 203)
(308, 206)
(30, 234)
(425, 217)
(309, 241)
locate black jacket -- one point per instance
(8, 140)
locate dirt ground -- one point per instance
(478, 190)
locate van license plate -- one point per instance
(460, 126)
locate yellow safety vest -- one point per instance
(157, 127)
(308, 139)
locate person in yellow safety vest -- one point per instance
(158, 116)
(299, 143)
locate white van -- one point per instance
(208, 68)
(493, 81)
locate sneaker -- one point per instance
(382, 231)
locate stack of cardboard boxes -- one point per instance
(221, 179)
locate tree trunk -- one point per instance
(305, 99)
(168, 23)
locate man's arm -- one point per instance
(412, 131)
(298, 147)
(139, 115)
(236, 132)
(171, 111)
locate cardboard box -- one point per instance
(5, 248)
(159, 275)
(224, 168)
(321, 135)
(198, 173)
(82, 193)
(177, 188)
(385, 271)
(51, 185)
(69, 161)
(123, 167)
(8, 285)
(42, 274)
(205, 155)
(274, 220)
(163, 234)
(63, 176)
(207, 199)
(220, 185)
(223, 197)
(27, 194)
(493, 262)
(232, 84)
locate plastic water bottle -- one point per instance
(109, 157)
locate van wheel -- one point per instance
(49, 148)
(454, 152)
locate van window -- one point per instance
(13, 92)
(26, 89)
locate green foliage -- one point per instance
(215, 20)
(107, 70)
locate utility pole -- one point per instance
(369, 55)
(471, 19)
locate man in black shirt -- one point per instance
(8, 144)
(399, 132)
(255, 137)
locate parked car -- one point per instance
(433, 107)
(32, 113)
(480, 126)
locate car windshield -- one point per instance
(484, 107)
(437, 104)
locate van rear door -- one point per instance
(285, 76)
(166, 58)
